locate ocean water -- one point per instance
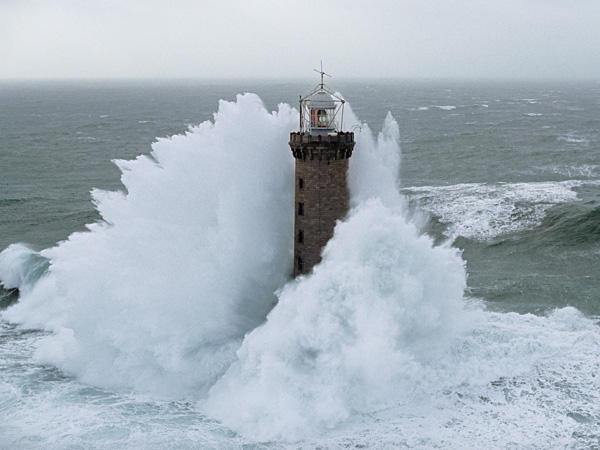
(146, 242)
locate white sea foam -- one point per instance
(509, 380)
(483, 211)
(513, 381)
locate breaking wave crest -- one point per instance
(483, 211)
(21, 266)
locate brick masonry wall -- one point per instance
(322, 197)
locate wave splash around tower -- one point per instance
(183, 290)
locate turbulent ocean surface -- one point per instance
(146, 251)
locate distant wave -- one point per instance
(531, 101)
(13, 201)
(586, 170)
(573, 139)
(568, 225)
(442, 107)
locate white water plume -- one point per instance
(357, 333)
(353, 337)
(158, 295)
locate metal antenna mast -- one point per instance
(322, 74)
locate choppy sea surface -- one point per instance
(146, 241)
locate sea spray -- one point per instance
(355, 336)
(158, 295)
(358, 333)
(374, 169)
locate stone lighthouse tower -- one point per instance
(321, 150)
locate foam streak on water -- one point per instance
(164, 313)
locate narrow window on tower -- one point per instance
(300, 237)
(300, 209)
(300, 264)
(301, 183)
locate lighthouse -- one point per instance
(321, 150)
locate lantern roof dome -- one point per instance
(321, 100)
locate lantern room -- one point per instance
(321, 111)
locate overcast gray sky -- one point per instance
(287, 38)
